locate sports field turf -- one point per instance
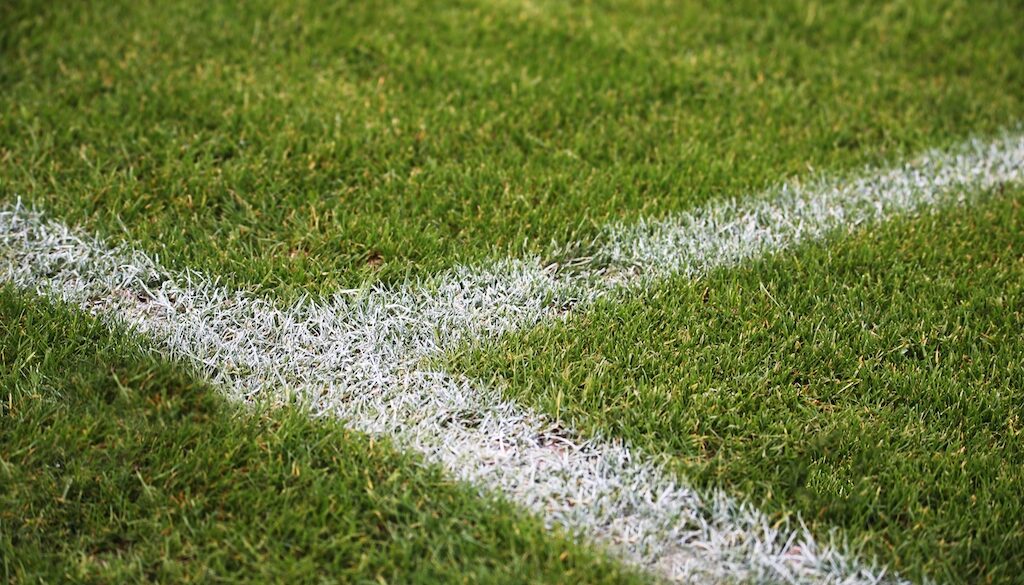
(531, 268)
(119, 467)
(307, 145)
(888, 403)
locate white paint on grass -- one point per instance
(365, 357)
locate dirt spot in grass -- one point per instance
(374, 260)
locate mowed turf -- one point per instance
(872, 383)
(300, 146)
(116, 467)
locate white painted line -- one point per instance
(365, 357)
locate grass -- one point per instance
(116, 466)
(301, 146)
(292, 148)
(872, 384)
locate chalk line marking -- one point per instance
(365, 357)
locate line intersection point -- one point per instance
(365, 356)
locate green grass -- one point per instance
(302, 146)
(872, 383)
(116, 467)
